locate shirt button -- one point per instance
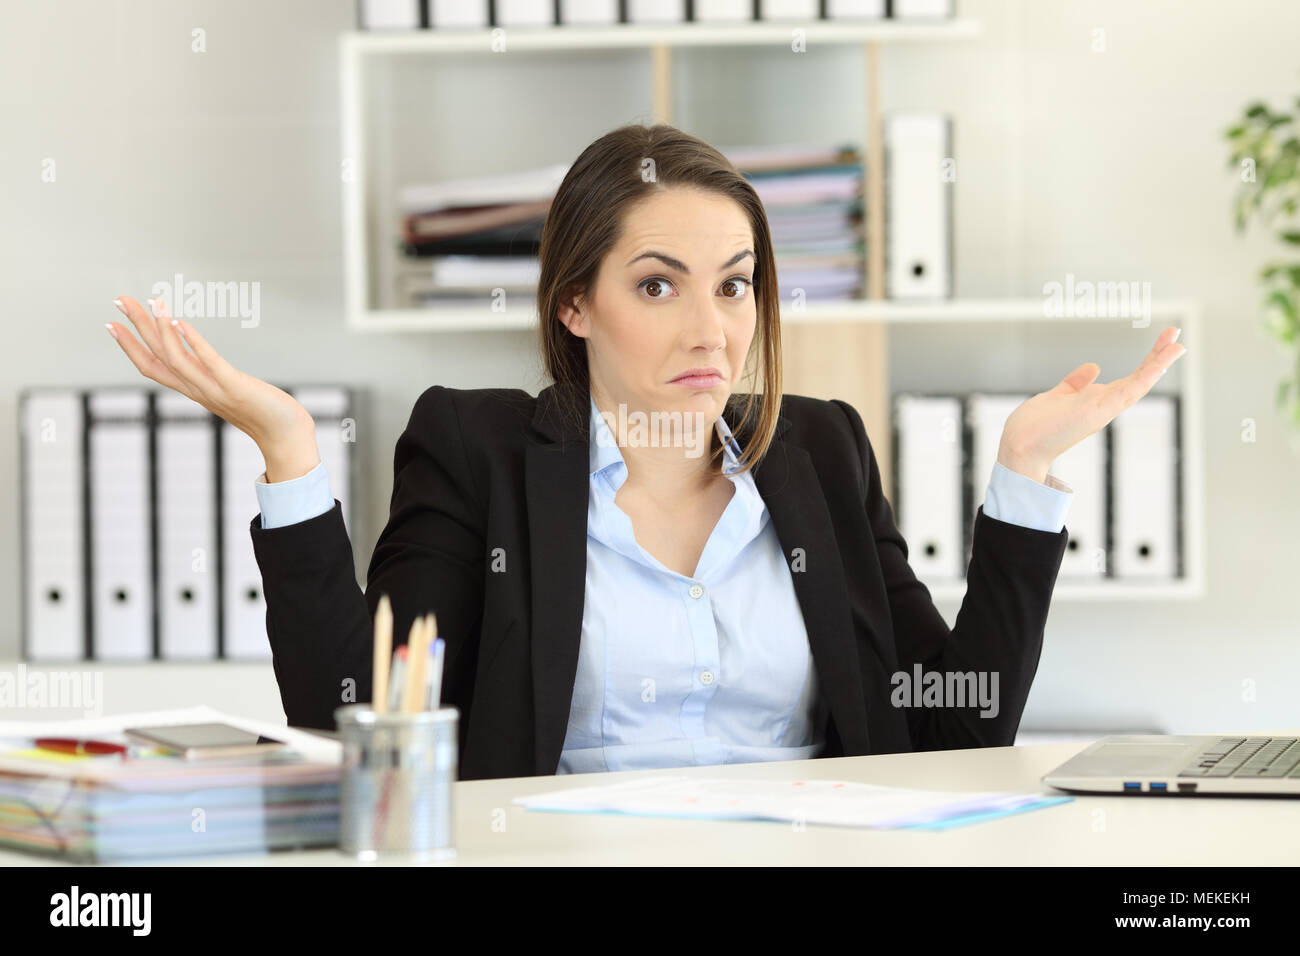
(695, 591)
(706, 677)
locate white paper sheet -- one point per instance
(826, 802)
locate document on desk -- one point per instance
(826, 802)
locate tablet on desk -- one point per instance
(206, 741)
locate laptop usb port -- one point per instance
(1132, 786)
(1187, 787)
(1158, 786)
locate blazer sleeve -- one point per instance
(999, 627)
(429, 557)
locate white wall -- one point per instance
(225, 166)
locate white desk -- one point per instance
(1090, 831)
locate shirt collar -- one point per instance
(605, 452)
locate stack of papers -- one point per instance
(106, 809)
(826, 802)
(813, 199)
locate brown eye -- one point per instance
(660, 287)
(736, 281)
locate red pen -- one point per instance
(88, 748)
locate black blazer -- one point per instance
(488, 529)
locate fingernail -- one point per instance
(1162, 373)
(111, 331)
(1177, 332)
(153, 306)
(176, 324)
(120, 307)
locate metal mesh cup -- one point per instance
(396, 785)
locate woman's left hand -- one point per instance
(1045, 426)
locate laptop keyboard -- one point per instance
(1247, 757)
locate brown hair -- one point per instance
(585, 221)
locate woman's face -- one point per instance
(674, 294)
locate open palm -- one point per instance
(1048, 424)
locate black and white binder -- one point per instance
(789, 9)
(918, 206)
(656, 11)
(243, 606)
(1084, 467)
(458, 14)
(186, 509)
(723, 11)
(855, 9)
(1144, 489)
(928, 483)
(524, 13)
(920, 9)
(588, 13)
(52, 428)
(390, 14)
(121, 528)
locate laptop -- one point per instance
(1173, 764)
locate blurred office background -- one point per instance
(1105, 164)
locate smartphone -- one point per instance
(206, 741)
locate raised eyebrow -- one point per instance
(680, 266)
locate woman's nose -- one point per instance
(707, 327)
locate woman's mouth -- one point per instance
(699, 378)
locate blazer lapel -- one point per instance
(788, 483)
(557, 485)
(557, 480)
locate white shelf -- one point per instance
(358, 50)
(633, 35)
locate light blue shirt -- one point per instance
(677, 670)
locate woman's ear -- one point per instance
(572, 311)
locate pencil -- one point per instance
(415, 664)
(383, 654)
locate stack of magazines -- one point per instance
(813, 199)
(103, 809)
(462, 239)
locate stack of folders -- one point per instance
(480, 14)
(1125, 480)
(813, 199)
(105, 809)
(463, 240)
(136, 510)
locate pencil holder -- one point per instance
(395, 793)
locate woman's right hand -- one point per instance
(281, 427)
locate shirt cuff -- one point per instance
(288, 502)
(1018, 499)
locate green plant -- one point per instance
(1266, 153)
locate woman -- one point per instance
(611, 596)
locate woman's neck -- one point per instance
(668, 467)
